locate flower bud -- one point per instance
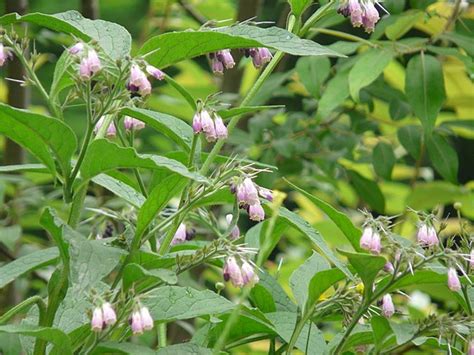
(109, 314)
(248, 274)
(208, 126)
(225, 57)
(366, 238)
(247, 192)
(197, 124)
(147, 320)
(265, 193)
(217, 66)
(180, 235)
(470, 351)
(132, 124)
(136, 323)
(155, 72)
(388, 309)
(90, 64)
(370, 16)
(232, 272)
(138, 81)
(388, 267)
(235, 233)
(355, 11)
(111, 130)
(77, 48)
(97, 321)
(221, 129)
(265, 55)
(256, 212)
(426, 236)
(453, 280)
(375, 245)
(5, 54)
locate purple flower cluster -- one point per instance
(221, 60)
(138, 81)
(130, 124)
(362, 13)
(141, 320)
(239, 275)
(260, 56)
(371, 241)
(103, 316)
(248, 193)
(211, 124)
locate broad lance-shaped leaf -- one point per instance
(410, 137)
(319, 283)
(343, 222)
(368, 191)
(383, 160)
(134, 273)
(424, 88)
(169, 48)
(176, 129)
(111, 37)
(53, 335)
(304, 227)
(235, 111)
(43, 136)
(24, 264)
(174, 302)
(103, 156)
(443, 157)
(120, 189)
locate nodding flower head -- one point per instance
(180, 235)
(90, 64)
(155, 72)
(256, 212)
(138, 81)
(97, 321)
(426, 236)
(388, 309)
(247, 193)
(136, 322)
(388, 267)
(362, 13)
(197, 123)
(370, 17)
(111, 130)
(265, 193)
(249, 276)
(232, 272)
(147, 320)
(217, 66)
(221, 129)
(260, 56)
(453, 280)
(77, 48)
(132, 124)
(370, 240)
(208, 126)
(109, 314)
(225, 57)
(235, 233)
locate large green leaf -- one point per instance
(368, 67)
(103, 156)
(424, 88)
(281, 300)
(298, 6)
(29, 262)
(113, 38)
(343, 222)
(383, 160)
(135, 273)
(335, 93)
(368, 191)
(53, 335)
(120, 189)
(43, 136)
(301, 277)
(443, 157)
(319, 283)
(172, 47)
(304, 227)
(174, 302)
(176, 129)
(312, 72)
(411, 138)
(186, 348)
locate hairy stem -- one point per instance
(23, 306)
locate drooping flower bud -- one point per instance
(256, 212)
(136, 323)
(265, 55)
(370, 240)
(376, 244)
(248, 274)
(388, 309)
(370, 16)
(355, 11)
(111, 130)
(453, 280)
(90, 64)
(217, 66)
(235, 233)
(138, 81)
(265, 193)
(247, 193)
(77, 48)
(470, 351)
(132, 124)
(426, 236)
(388, 267)
(225, 57)
(197, 123)
(155, 72)
(147, 320)
(180, 235)
(221, 129)
(109, 314)
(5, 54)
(97, 321)
(208, 126)
(232, 272)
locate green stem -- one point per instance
(315, 18)
(162, 335)
(23, 306)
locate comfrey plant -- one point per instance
(141, 242)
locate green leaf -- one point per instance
(173, 302)
(61, 77)
(443, 157)
(111, 37)
(427, 195)
(319, 283)
(343, 222)
(10, 236)
(169, 48)
(403, 24)
(299, 6)
(367, 267)
(380, 328)
(281, 300)
(40, 135)
(304, 227)
(312, 72)
(465, 42)
(403, 332)
(336, 92)
(50, 221)
(157, 200)
(109, 347)
(368, 67)
(424, 88)
(134, 273)
(186, 348)
(103, 156)
(368, 191)
(398, 109)
(384, 160)
(284, 323)
(174, 128)
(411, 137)
(184, 93)
(35, 168)
(52, 335)
(120, 189)
(301, 277)
(26, 263)
(236, 111)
